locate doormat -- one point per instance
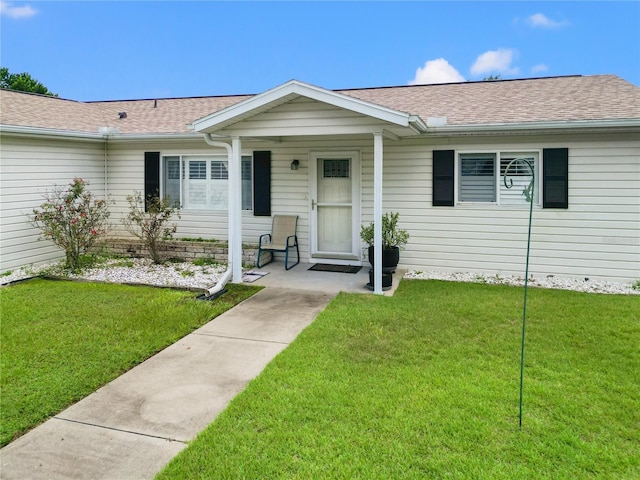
(323, 267)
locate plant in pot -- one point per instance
(393, 240)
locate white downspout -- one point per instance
(227, 274)
(106, 170)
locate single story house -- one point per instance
(339, 159)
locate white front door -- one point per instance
(335, 205)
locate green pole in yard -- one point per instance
(529, 195)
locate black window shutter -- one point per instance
(151, 176)
(443, 178)
(555, 181)
(262, 183)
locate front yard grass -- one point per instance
(62, 340)
(424, 384)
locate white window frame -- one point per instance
(184, 173)
(499, 182)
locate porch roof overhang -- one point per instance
(296, 109)
(243, 119)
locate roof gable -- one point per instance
(294, 90)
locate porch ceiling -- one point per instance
(295, 108)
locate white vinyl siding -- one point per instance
(304, 116)
(596, 237)
(126, 174)
(30, 167)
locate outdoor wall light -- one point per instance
(295, 164)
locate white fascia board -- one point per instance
(535, 127)
(293, 89)
(351, 103)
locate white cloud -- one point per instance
(541, 67)
(436, 71)
(539, 20)
(495, 61)
(7, 9)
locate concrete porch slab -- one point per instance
(301, 278)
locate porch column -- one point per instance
(377, 212)
(235, 210)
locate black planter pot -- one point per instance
(390, 258)
(387, 280)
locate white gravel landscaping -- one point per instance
(564, 283)
(135, 270)
(188, 275)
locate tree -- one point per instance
(492, 78)
(22, 82)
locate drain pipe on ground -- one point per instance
(216, 290)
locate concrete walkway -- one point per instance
(132, 427)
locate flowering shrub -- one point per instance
(73, 219)
(152, 226)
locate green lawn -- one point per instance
(62, 340)
(424, 384)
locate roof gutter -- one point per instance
(104, 133)
(534, 127)
(153, 136)
(417, 124)
(50, 133)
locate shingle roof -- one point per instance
(555, 99)
(28, 110)
(142, 116)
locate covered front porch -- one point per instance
(295, 111)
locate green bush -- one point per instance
(73, 219)
(152, 226)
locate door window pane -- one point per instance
(336, 168)
(334, 181)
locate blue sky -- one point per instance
(115, 50)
